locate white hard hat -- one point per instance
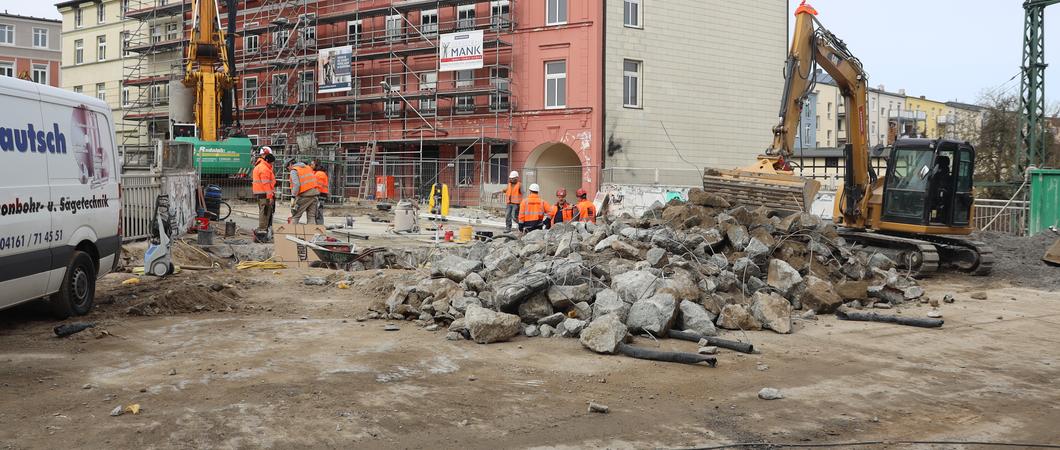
(265, 150)
(535, 188)
(514, 174)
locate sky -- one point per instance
(948, 50)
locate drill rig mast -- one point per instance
(209, 69)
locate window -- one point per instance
(250, 44)
(156, 34)
(307, 37)
(465, 170)
(250, 91)
(101, 48)
(279, 39)
(7, 69)
(101, 13)
(631, 13)
(392, 107)
(126, 99)
(555, 84)
(124, 8)
(7, 34)
(500, 81)
(429, 22)
(40, 37)
(831, 162)
(555, 12)
(498, 173)
(39, 73)
(79, 18)
(79, 89)
(279, 88)
(500, 13)
(172, 31)
(631, 84)
(394, 25)
(158, 94)
(79, 51)
(101, 91)
(307, 88)
(465, 104)
(126, 40)
(465, 17)
(353, 31)
(428, 82)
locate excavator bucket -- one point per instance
(1052, 256)
(762, 185)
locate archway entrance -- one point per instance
(554, 165)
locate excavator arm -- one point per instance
(209, 69)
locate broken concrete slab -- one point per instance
(608, 302)
(820, 296)
(655, 314)
(694, 317)
(456, 268)
(487, 326)
(772, 311)
(782, 276)
(738, 317)
(604, 334)
(635, 285)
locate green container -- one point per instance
(1045, 200)
(228, 157)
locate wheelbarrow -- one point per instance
(336, 255)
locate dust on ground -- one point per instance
(291, 367)
(1018, 259)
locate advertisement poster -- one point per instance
(461, 51)
(335, 69)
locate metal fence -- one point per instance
(139, 191)
(994, 215)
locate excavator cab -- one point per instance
(929, 183)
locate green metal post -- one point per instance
(1032, 87)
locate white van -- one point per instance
(60, 204)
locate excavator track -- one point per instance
(915, 255)
(927, 254)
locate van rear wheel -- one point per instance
(77, 293)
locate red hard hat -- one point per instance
(581, 193)
(561, 193)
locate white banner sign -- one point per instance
(333, 65)
(461, 51)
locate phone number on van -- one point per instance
(19, 241)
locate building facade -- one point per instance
(935, 116)
(689, 85)
(30, 49)
(964, 122)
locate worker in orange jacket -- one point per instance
(513, 197)
(586, 208)
(562, 211)
(304, 190)
(533, 211)
(263, 180)
(322, 186)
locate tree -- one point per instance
(998, 142)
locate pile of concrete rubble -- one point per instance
(694, 266)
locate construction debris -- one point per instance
(683, 270)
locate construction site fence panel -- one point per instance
(1001, 216)
(139, 192)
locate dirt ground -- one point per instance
(258, 360)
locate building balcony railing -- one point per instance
(908, 115)
(947, 120)
(156, 46)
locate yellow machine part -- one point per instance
(762, 185)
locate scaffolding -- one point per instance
(403, 117)
(153, 42)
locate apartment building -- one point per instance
(962, 122)
(29, 48)
(935, 114)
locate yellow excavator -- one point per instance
(917, 213)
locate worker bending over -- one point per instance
(304, 190)
(533, 212)
(563, 211)
(586, 208)
(264, 187)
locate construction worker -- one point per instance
(533, 211)
(322, 186)
(586, 208)
(513, 197)
(264, 187)
(563, 211)
(304, 190)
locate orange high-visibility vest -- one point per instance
(514, 193)
(264, 179)
(562, 214)
(322, 182)
(586, 211)
(533, 208)
(306, 178)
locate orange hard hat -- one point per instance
(581, 193)
(561, 193)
